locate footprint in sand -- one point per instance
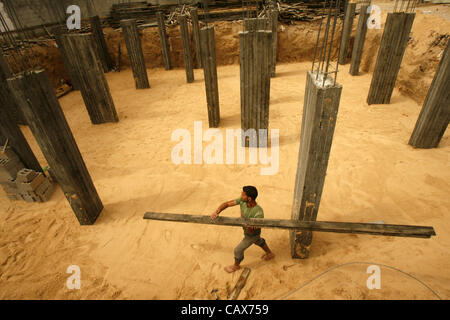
(168, 235)
(197, 247)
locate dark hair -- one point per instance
(251, 192)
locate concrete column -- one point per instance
(11, 131)
(134, 48)
(93, 85)
(184, 31)
(390, 55)
(8, 103)
(346, 32)
(320, 110)
(435, 115)
(255, 62)
(257, 24)
(360, 38)
(208, 50)
(49, 127)
(165, 50)
(196, 37)
(274, 28)
(66, 59)
(100, 42)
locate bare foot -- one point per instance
(268, 256)
(232, 268)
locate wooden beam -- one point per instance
(240, 284)
(321, 226)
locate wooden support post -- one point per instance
(274, 26)
(49, 126)
(435, 115)
(93, 85)
(391, 230)
(208, 50)
(320, 110)
(165, 50)
(184, 31)
(360, 38)
(346, 32)
(11, 131)
(196, 37)
(255, 60)
(100, 42)
(73, 75)
(134, 47)
(390, 55)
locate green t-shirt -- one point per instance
(254, 212)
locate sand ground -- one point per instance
(373, 175)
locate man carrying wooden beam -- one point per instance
(252, 235)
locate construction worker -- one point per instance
(252, 235)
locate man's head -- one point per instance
(249, 193)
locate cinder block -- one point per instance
(47, 194)
(10, 188)
(9, 169)
(33, 185)
(42, 187)
(30, 198)
(13, 196)
(8, 153)
(26, 175)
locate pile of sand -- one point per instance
(373, 175)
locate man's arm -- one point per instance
(222, 207)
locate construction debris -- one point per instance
(20, 183)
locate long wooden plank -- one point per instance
(240, 284)
(321, 226)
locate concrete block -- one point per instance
(9, 169)
(31, 186)
(26, 176)
(8, 153)
(30, 198)
(46, 194)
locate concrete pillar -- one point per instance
(435, 115)
(184, 31)
(11, 131)
(5, 69)
(360, 38)
(255, 62)
(134, 48)
(165, 50)
(274, 28)
(49, 126)
(346, 32)
(73, 76)
(8, 103)
(257, 24)
(93, 85)
(196, 37)
(100, 42)
(390, 55)
(208, 50)
(320, 110)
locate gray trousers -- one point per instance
(245, 243)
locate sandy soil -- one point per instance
(372, 175)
